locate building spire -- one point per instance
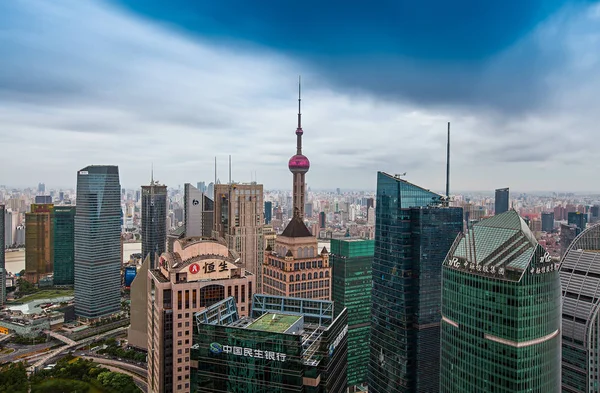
(299, 102)
(152, 173)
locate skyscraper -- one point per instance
(580, 280)
(352, 262)
(268, 212)
(548, 222)
(414, 231)
(500, 311)
(578, 219)
(43, 199)
(501, 201)
(238, 216)
(295, 259)
(63, 244)
(2, 258)
(39, 255)
(198, 209)
(154, 220)
(98, 242)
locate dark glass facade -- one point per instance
(501, 201)
(235, 358)
(578, 219)
(63, 240)
(413, 233)
(548, 222)
(98, 242)
(352, 262)
(268, 212)
(154, 221)
(500, 311)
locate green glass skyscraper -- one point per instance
(63, 240)
(413, 233)
(501, 311)
(352, 261)
(98, 242)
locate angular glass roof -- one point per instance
(500, 242)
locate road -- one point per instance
(139, 374)
(21, 351)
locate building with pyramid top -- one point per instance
(501, 311)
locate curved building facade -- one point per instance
(580, 279)
(500, 311)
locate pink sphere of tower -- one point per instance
(299, 163)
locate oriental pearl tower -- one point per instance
(299, 165)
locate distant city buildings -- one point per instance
(578, 219)
(43, 199)
(502, 200)
(98, 242)
(580, 280)
(154, 220)
(285, 345)
(197, 274)
(414, 231)
(500, 311)
(352, 262)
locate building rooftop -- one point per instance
(274, 323)
(296, 228)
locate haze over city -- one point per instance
(178, 83)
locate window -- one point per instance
(310, 276)
(321, 275)
(194, 299)
(292, 278)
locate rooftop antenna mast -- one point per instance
(215, 170)
(448, 165)
(230, 169)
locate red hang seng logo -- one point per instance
(194, 268)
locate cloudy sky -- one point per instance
(177, 83)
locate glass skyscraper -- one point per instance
(154, 220)
(63, 240)
(501, 311)
(98, 242)
(413, 233)
(352, 261)
(501, 203)
(580, 279)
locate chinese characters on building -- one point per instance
(209, 267)
(246, 352)
(500, 271)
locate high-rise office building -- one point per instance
(43, 199)
(580, 280)
(154, 220)
(501, 311)
(286, 345)
(198, 211)
(10, 224)
(294, 267)
(308, 208)
(414, 231)
(568, 233)
(502, 201)
(238, 217)
(322, 220)
(352, 261)
(63, 244)
(202, 187)
(2, 258)
(98, 242)
(197, 274)
(578, 219)
(41, 188)
(38, 242)
(210, 190)
(548, 222)
(268, 212)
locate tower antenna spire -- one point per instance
(152, 173)
(448, 164)
(299, 101)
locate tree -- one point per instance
(13, 378)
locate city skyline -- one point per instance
(512, 97)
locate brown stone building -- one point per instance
(198, 273)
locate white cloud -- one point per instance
(91, 84)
